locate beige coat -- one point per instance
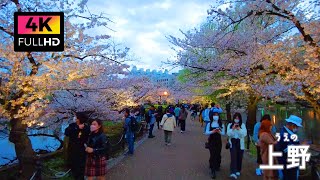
(168, 123)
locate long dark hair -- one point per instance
(219, 120)
(101, 129)
(237, 114)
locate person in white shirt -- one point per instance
(214, 130)
(168, 123)
(236, 132)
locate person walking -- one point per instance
(96, 164)
(205, 116)
(236, 132)
(182, 119)
(266, 138)
(214, 130)
(291, 128)
(216, 108)
(256, 140)
(152, 114)
(78, 133)
(201, 117)
(177, 113)
(159, 116)
(128, 132)
(168, 123)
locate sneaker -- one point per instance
(258, 172)
(169, 144)
(238, 173)
(233, 176)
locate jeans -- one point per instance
(130, 142)
(167, 136)
(236, 156)
(151, 129)
(177, 120)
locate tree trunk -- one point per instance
(23, 148)
(228, 109)
(252, 113)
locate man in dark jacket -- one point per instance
(291, 128)
(78, 133)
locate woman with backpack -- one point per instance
(236, 132)
(168, 123)
(96, 148)
(182, 119)
(214, 130)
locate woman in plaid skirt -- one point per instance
(96, 164)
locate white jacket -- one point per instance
(168, 123)
(237, 133)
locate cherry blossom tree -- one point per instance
(28, 79)
(253, 46)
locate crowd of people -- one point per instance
(87, 144)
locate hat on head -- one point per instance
(295, 120)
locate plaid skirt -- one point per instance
(96, 166)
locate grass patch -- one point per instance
(113, 128)
(252, 149)
(56, 163)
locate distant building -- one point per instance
(162, 78)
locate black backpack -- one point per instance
(134, 125)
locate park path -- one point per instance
(185, 159)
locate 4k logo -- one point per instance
(38, 31)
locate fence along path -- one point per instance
(185, 159)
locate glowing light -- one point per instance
(274, 119)
(165, 93)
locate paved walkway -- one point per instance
(185, 159)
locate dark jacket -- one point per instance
(98, 141)
(77, 137)
(282, 146)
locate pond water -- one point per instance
(310, 121)
(7, 152)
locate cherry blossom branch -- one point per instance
(6, 31)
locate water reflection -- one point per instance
(311, 123)
(7, 152)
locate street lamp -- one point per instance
(165, 93)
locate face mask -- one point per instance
(236, 120)
(93, 128)
(74, 119)
(295, 130)
(215, 118)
